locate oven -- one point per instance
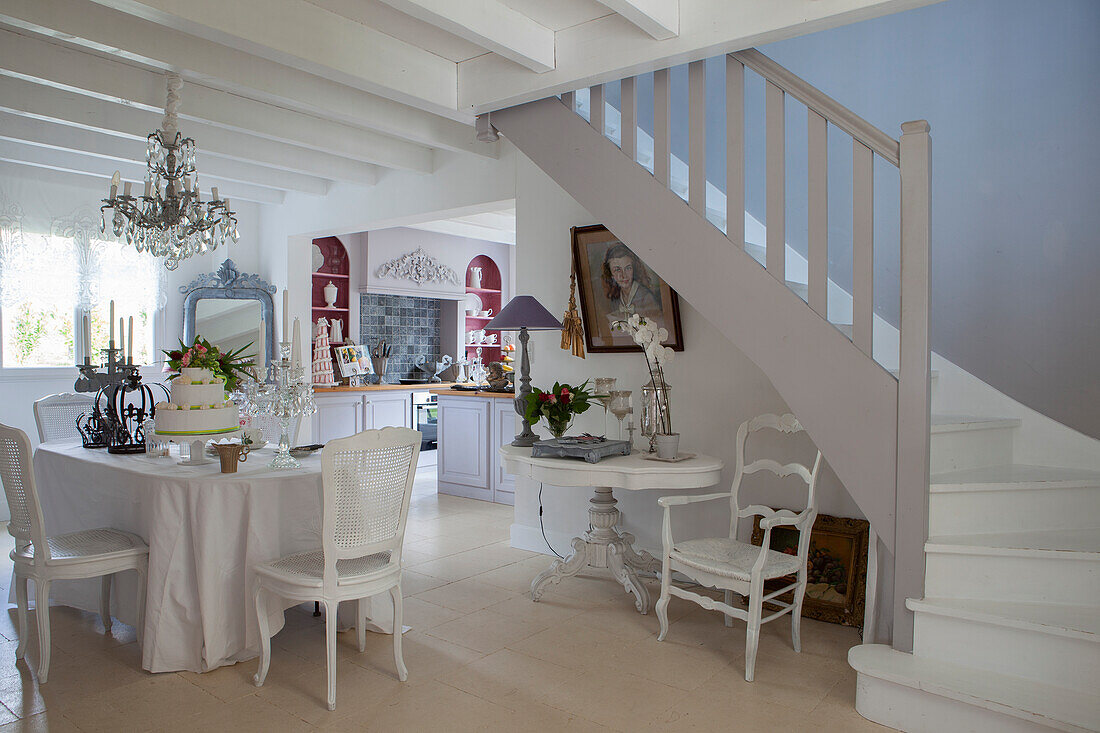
(425, 417)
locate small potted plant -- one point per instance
(558, 406)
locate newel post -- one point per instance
(914, 389)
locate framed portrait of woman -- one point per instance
(615, 283)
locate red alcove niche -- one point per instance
(335, 270)
(490, 296)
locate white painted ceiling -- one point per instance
(293, 95)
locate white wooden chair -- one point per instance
(740, 567)
(367, 483)
(89, 553)
(56, 415)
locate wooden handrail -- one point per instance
(823, 104)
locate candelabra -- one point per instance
(286, 394)
(117, 371)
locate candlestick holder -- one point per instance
(110, 371)
(286, 394)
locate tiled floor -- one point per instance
(481, 656)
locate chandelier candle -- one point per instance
(130, 341)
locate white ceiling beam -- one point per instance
(470, 231)
(610, 48)
(70, 162)
(92, 26)
(111, 147)
(490, 24)
(658, 18)
(41, 102)
(49, 63)
(313, 39)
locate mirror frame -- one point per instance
(229, 283)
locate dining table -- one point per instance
(205, 529)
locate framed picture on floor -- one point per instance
(615, 283)
(836, 568)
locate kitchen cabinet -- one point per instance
(472, 427)
(340, 414)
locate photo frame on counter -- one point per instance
(614, 283)
(837, 568)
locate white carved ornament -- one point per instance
(419, 267)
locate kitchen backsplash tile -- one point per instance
(410, 325)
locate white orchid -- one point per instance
(651, 338)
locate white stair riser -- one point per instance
(1028, 653)
(1011, 578)
(916, 711)
(961, 449)
(1012, 510)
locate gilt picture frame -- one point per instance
(837, 572)
(613, 283)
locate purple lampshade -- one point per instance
(524, 311)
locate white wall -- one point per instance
(715, 388)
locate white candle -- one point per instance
(296, 349)
(148, 188)
(261, 350)
(111, 320)
(130, 341)
(87, 338)
(286, 315)
(214, 193)
(126, 189)
(114, 190)
(122, 352)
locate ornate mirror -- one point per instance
(226, 308)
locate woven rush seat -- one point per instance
(311, 566)
(732, 558)
(86, 543)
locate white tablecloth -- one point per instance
(205, 530)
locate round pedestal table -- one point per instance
(604, 546)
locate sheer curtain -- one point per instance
(56, 268)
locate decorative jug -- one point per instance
(475, 277)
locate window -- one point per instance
(49, 282)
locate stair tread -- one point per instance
(1015, 696)
(947, 423)
(1073, 541)
(1014, 476)
(1082, 622)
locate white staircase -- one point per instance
(1007, 636)
(999, 600)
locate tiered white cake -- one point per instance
(198, 406)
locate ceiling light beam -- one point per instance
(658, 18)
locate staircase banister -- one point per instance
(823, 104)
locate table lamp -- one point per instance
(523, 313)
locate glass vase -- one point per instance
(656, 413)
(559, 427)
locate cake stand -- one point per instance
(197, 442)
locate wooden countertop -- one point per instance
(386, 387)
(467, 393)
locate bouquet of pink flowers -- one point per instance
(204, 355)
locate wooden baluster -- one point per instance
(595, 107)
(697, 137)
(863, 246)
(735, 151)
(914, 389)
(661, 125)
(817, 130)
(567, 98)
(628, 132)
(776, 184)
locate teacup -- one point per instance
(471, 337)
(479, 336)
(486, 313)
(471, 311)
(491, 338)
(230, 454)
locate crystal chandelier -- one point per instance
(170, 220)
